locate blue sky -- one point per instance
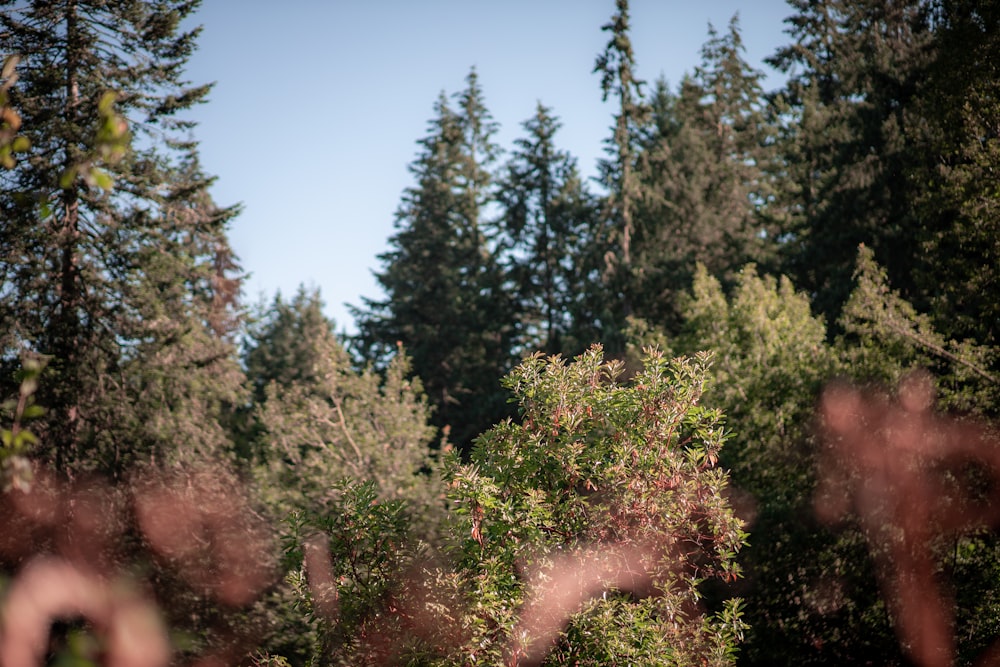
(318, 105)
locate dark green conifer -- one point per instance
(855, 69)
(617, 67)
(446, 301)
(548, 223)
(705, 170)
(957, 203)
(131, 291)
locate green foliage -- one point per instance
(17, 441)
(548, 243)
(346, 424)
(128, 290)
(810, 595)
(447, 301)
(706, 168)
(617, 65)
(956, 193)
(771, 360)
(111, 142)
(597, 528)
(851, 136)
(286, 341)
(346, 455)
(893, 337)
(353, 580)
(600, 469)
(11, 142)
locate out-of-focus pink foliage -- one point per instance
(898, 468)
(73, 546)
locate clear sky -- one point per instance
(318, 105)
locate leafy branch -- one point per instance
(15, 470)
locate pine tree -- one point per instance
(705, 166)
(284, 340)
(855, 70)
(957, 203)
(617, 68)
(548, 222)
(320, 419)
(130, 292)
(341, 453)
(446, 301)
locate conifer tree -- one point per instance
(284, 341)
(131, 292)
(855, 70)
(957, 205)
(320, 419)
(446, 301)
(548, 222)
(704, 168)
(341, 453)
(618, 79)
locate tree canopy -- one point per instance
(732, 401)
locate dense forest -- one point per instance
(732, 401)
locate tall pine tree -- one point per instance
(617, 67)
(445, 298)
(855, 68)
(548, 221)
(958, 203)
(130, 291)
(705, 170)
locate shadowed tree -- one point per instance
(617, 66)
(446, 301)
(705, 167)
(548, 222)
(131, 291)
(855, 70)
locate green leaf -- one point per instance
(29, 386)
(33, 412)
(25, 438)
(107, 101)
(67, 178)
(101, 179)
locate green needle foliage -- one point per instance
(617, 67)
(446, 299)
(130, 291)
(548, 246)
(706, 176)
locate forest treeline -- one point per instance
(581, 426)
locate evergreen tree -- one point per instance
(811, 597)
(617, 68)
(320, 420)
(957, 205)
(446, 301)
(343, 454)
(130, 291)
(548, 223)
(705, 168)
(855, 71)
(284, 343)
